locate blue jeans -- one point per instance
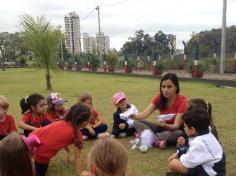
(100, 129)
(40, 169)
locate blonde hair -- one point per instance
(83, 97)
(3, 102)
(109, 157)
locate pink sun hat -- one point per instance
(117, 97)
(32, 142)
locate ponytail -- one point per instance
(27, 102)
(24, 105)
(200, 103)
(213, 127)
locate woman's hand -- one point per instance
(161, 123)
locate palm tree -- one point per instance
(43, 40)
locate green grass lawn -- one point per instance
(18, 83)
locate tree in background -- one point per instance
(112, 59)
(210, 42)
(145, 45)
(43, 40)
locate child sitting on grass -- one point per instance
(95, 128)
(55, 110)
(182, 142)
(122, 124)
(7, 123)
(205, 155)
(33, 109)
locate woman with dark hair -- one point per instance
(171, 106)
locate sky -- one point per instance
(121, 18)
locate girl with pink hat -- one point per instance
(122, 125)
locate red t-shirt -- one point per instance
(179, 106)
(54, 137)
(54, 116)
(7, 126)
(36, 121)
(94, 117)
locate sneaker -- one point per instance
(134, 141)
(122, 135)
(85, 138)
(112, 136)
(134, 147)
(161, 143)
(103, 135)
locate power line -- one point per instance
(116, 3)
(88, 15)
(106, 5)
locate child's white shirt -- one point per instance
(125, 115)
(204, 150)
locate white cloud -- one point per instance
(121, 20)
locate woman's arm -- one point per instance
(178, 122)
(24, 126)
(148, 111)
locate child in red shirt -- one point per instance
(33, 110)
(59, 135)
(7, 123)
(55, 109)
(95, 128)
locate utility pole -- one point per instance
(223, 38)
(99, 36)
(99, 25)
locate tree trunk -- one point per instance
(48, 78)
(3, 66)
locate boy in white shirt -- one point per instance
(205, 156)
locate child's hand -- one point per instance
(91, 131)
(181, 141)
(122, 126)
(174, 156)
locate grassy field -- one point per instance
(18, 83)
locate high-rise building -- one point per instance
(103, 42)
(72, 33)
(89, 43)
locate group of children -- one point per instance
(49, 127)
